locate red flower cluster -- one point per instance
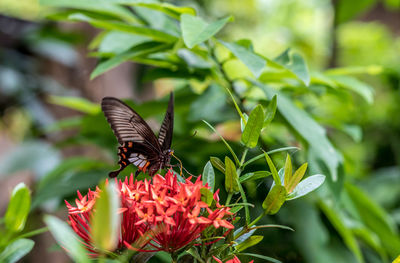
(235, 259)
(162, 214)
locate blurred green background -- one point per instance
(57, 150)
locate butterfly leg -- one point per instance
(180, 162)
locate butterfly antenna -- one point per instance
(180, 142)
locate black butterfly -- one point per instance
(138, 144)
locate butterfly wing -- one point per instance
(127, 124)
(137, 154)
(167, 126)
(139, 145)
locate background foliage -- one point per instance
(337, 91)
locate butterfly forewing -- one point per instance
(126, 124)
(167, 126)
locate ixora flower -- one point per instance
(160, 214)
(233, 260)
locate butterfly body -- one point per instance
(138, 144)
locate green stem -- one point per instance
(242, 193)
(253, 159)
(223, 79)
(269, 152)
(243, 158)
(248, 227)
(256, 220)
(228, 199)
(5, 239)
(174, 258)
(33, 233)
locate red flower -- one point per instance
(162, 214)
(233, 260)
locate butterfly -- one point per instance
(138, 144)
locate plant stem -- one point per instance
(269, 152)
(248, 227)
(228, 199)
(256, 220)
(174, 257)
(243, 158)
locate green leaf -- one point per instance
(270, 111)
(242, 117)
(272, 167)
(231, 176)
(243, 121)
(171, 10)
(275, 199)
(288, 170)
(137, 51)
(251, 255)
(296, 178)
(253, 127)
(243, 237)
(354, 131)
(206, 196)
(33, 233)
(306, 186)
(118, 42)
(270, 152)
(16, 250)
(353, 70)
(195, 30)
(299, 67)
(235, 69)
(64, 124)
(295, 64)
(192, 251)
(66, 237)
(254, 176)
(244, 198)
(217, 163)
(371, 239)
(155, 34)
(251, 241)
(348, 237)
(192, 59)
(253, 61)
(158, 20)
(106, 219)
(38, 157)
(309, 129)
(275, 226)
(347, 82)
(225, 142)
(346, 10)
(208, 176)
(103, 7)
(76, 103)
(376, 219)
(72, 174)
(18, 208)
(236, 209)
(212, 100)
